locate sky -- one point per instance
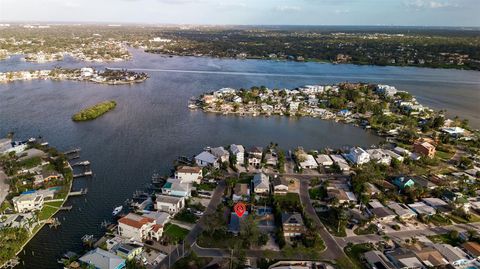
(248, 12)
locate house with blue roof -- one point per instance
(403, 182)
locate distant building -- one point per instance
(358, 156)
(280, 185)
(324, 159)
(206, 159)
(239, 152)
(241, 191)
(222, 154)
(377, 260)
(139, 228)
(261, 184)
(176, 188)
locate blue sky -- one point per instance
(295, 12)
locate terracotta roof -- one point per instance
(136, 221)
(189, 169)
(157, 227)
(472, 247)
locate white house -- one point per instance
(102, 259)
(177, 188)
(206, 159)
(189, 174)
(386, 90)
(280, 185)
(169, 204)
(358, 156)
(309, 162)
(380, 156)
(239, 152)
(261, 184)
(340, 161)
(28, 202)
(139, 228)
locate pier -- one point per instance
(67, 208)
(84, 163)
(72, 151)
(83, 174)
(78, 193)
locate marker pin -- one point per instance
(240, 209)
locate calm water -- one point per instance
(151, 125)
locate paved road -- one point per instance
(333, 250)
(4, 187)
(192, 236)
(402, 235)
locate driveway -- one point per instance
(4, 187)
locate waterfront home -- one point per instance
(239, 152)
(261, 184)
(255, 156)
(404, 258)
(292, 224)
(453, 131)
(376, 259)
(380, 156)
(401, 151)
(472, 248)
(102, 259)
(176, 188)
(340, 161)
(160, 217)
(206, 159)
(402, 210)
(403, 182)
(424, 148)
(386, 90)
(25, 220)
(271, 158)
(308, 162)
(344, 113)
(241, 191)
(234, 224)
(26, 202)
(454, 255)
(341, 196)
(422, 209)
(169, 204)
(127, 251)
(221, 154)
(86, 72)
(189, 174)
(324, 159)
(358, 156)
(280, 185)
(138, 228)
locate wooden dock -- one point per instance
(83, 174)
(83, 163)
(67, 208)
(75, 150)
(79, 192)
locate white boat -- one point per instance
(117, 210)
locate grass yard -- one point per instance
(55, 203)
(289, 202)
(175, 232)
(440, 220)
(458, 219)
(47, 212)
(355, 253)
(445, 239)
(370, 229)
(444, 155)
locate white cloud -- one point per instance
(430, 4)
(287, 8)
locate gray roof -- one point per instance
(102, 259)
(260, 180)
(292, 218)
(206, 157)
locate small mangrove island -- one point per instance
(94, 111)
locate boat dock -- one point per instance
(67, 208)
(79, 192)
(83, 174)
(72, 151)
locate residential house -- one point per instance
(386, 90)
(176, 188)
(377, 260)
(280, 185)
(453, 131)
(102, 259)
(454, 255)
(206, 159)
(239, 152)
(261, 184)
(381, 212)
(292, 224)
(241, 191)
(425, 183)
(472, 248)
(160, 217)
(189, 174)
(424, 148)
(394, 155)
(401, 151)
(436, 203)
(255, 156)
(271, 158)
(221, 154)
(431, 257)
(127, 251)
(135, 227)
(169, 204)
(324, 159)
(27, 202)
(402, 210)
(403, 182)
(341, 196)
(404, 259)
(371, 189)
(5, 144)
(422, 209)
(340, 161)
(380, 156)
(358, 156)
(308, 162)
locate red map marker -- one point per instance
(239, 209)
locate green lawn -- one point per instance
(445, 239)
(458, 219)
(206, 186)
(355, 252)
(289, 202)
(370, 229)
(332, 224)
(175, 232)
(444, 155)
(47, 212)
(186, 216)
(55, 204)
(440, 220)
